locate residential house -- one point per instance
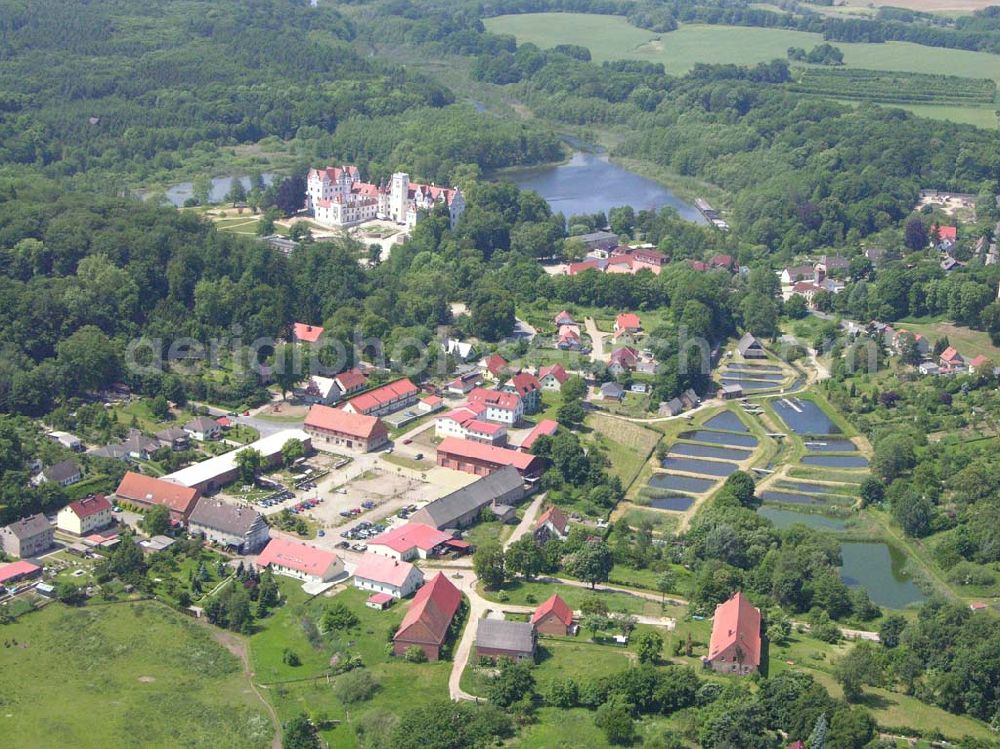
(27, 537)
(500, 638)
(338, 429)
(949, 264)
(322, 390)
(482, 460)
(730, 391)
(111, 452)
(452, 423)
(568, 338)
(411, 540)
(951, 359)
(145, 492)
(83, 517)
(203, 429)
(603, 240)
(723, 262)
(793, 273)
(350, 381)
(564, 318)
(624, 359)
(929, 368)
(235, 526)
(173, 437)
(945, 233)
(980, 364)
(735, 645)
(486, 432)
(429, 404)
(64, 473)
(528, 388)
(138, 446)
(574, 269)
(503, 407)
(383, 400)
(672, 407)
(493, 366)
(750, 348)
(301, 561)
(544, 428)
(552, 523)
(305, 333)
(461, 351)
(612, 391)
(627, 323)
(690, 398)
(552, 377)
(428, 619)
(638, 387)
(384, 575)
(463, 507)
(553, 617)
(464, 384)
(67, 440)
(15, 572)
(831, 265)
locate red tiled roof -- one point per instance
(948, 232)
(556, 370)
(979, 361)
(575, 268)
(224, 421)
(556, 517)
(17, 570)
(343, 422)
(350, 380)
(297, 556)
(484, 427)
(797, 745)
(135, 486)
(495, 398)
(626, 355)
(545, 426)
(432, 400)
(433, 607)
(698, 265)
(411, 536)
(495, 363)
(524, 383)
(380, 599)
(950, 354)
(487, 453)
(563, 316)
(84, 508)
(383, 570)
(554, 605)
(722, 261)
(307, 333)
(736, 622)
(378, 397)
(627, 320)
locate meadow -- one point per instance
(123, 675)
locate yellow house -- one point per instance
(85, 516)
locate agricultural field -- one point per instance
(627, 445)
(891, 86)
(129, 674)
(969, 342)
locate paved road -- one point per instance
(596, 341)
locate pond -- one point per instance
(704, 451)
(680, 483)
(220, 188)
(749, 384)
(589, 183)
(879, 569)
(787, 518)
(831, 446)
(705, 467)
(789, 498)
(836, 461)
(754, 368)
(720, 438)
(726, 420)
(804, 416)
(677, 504)
(742, 375)
(805, 486)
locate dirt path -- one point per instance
(596, 341)
(528, 521)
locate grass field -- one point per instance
(123, 675)
(969, 342)
(627, 445)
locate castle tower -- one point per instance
(400, 199)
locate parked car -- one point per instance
(407, 441)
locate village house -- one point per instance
(350, 381)
(552, 377)
(622, 360)
(463, 507)
(429, 404)
(553, 617)
(502, 407)
(67, 440)
(238, 527)
(411, 540)
(461, 351)
(428, 619)
(138, 446)
(612, 391)
(672, 407)
(493, 366)
(464, 423)
(544, 428)
(203, 429)
(173, 437)
(735, 643)
(980, 364)
(730, 391)
(464, 384)
(723, 262)
(794, 273)
(384, 400)
(564, 318)
(951, 359)
(321, 390)
(381, 574)
(750, 348)
(500, 638)
(336, 429)
(16, 572)
(831, 264)
(568, 338)
(337, 197)
(83, 517)
(627, 323)
(528, 389)
(146, 492)
(305, 333)
(64, 473)
(27, 537)
(301, 561)
(552, 523)
(482, 460)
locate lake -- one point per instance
(726, 420)
(704, 451)
(720, 438)
(589, 183)
(220, 188)
(836, 461)
(878, 568)
(804, 416)
(704, 467)
(676, 504)
(787, 518)
(680, 483)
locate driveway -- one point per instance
(596, 341)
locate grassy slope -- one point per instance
(969, 342)
(123, 675)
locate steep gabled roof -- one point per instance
(84, 508)
(431, 612)
(141, 488)
(556, 518)
(308, 333)
(343, 422)
(736, 622)
(553, 605)
(546, 427)
(385, 570)
(556, 370)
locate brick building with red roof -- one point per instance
(426, 624)
(553, 617)
(408, 541)
(482, 460)
(336, 428)
(545, 427)
(735, 643)
(145, 492)
(305, 333)
(384, 400)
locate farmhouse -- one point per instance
(552, 523)
(499, 638)
(462, 508)
(951, 358)
(145, 492)
(553, 617)
(384, 575)
(238, 527)
(173, 437)
(612, 391)
(493, 366)
(203, 429)
(553, 377)
(750, 348)
(351, 381)
(27, 537)
(321, 390)
(337, 428)
(568, 337)
(502, 407)
(623, 360)
(527, 387)
(482, 460)
(301, 561)
(794, 273)
(735, 643)
(222, 469)
(671, 407)
(426, 624)
(64, 473)
(564, 318)
(305, 333)
(627, 323)
(409, 541)
(17, 571)
(85, 516)
(387, 399)
(545, 427)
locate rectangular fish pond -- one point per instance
(742, 375)
(681, 483)
(720, 438)
(726, 420)
(804, 417)
(790, 498)
(677, 504)
(786, 518)
(705, 451)
(706, 467)
(879, 569)
(836, 461)
(830, 446)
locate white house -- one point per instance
(502, 407)
(85, 515)
(381, 574)
(301, 561)
(65, 473)
(203, 429)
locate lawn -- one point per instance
(613, 38)
(131, 674)
(627, 445)
(524, 593)
(970, 343)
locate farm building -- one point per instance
(384, 575)
(553, 617)
(462, 508)
(301, 561)
(145, 492)
(735, 643)
(499, 638)
(237, 526)
(336, 428)
(482, 460)
(426, 624)
(409, 541)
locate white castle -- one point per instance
(337, 197)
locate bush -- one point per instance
(415, 654)
(356, 686)
(338, 617)
(290, 658)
